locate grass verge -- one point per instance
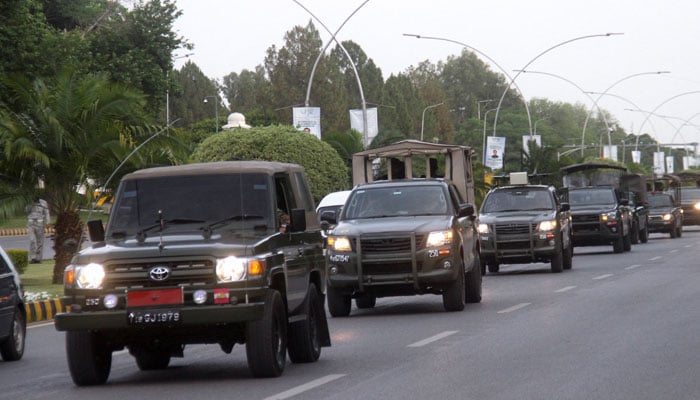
(37, 280)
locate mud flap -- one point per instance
(323, 332)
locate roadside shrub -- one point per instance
(19, 258)
(324, 168)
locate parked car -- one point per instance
(13, 320)
(665, 215)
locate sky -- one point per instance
(549, 38)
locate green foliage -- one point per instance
(325, 170)
(19, 258)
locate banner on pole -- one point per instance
(356, 123)
(669, 164)
(307, 119)
(536, 139)
(495, 149)
(659, 162)
(636, 156)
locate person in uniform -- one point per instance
(37, 221)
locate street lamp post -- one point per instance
(478, 107)
(422, 121)
(541, 119)
(167, 90)
(216, 110)
(585, 123)
(474, 49)
(365, 138)
(483, 145)
(503, 95)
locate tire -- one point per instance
(453, 298)
(89, 358)
(493, 267)
(151, 360)
(674, 233)
(567, 262)
(12, 349)
(338, 304)
(472, 282)
(634, 234)
(618, 245)
(644, 235)
(627, 242)
(303, 340)
(366, 300)
(266, 339)
(557, 261)
(679, 232)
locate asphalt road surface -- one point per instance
(617, 326)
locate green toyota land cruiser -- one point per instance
(226, 253)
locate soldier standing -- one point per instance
(37, 221)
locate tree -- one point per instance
(57, 135)
(188, 90)
(247, 91)
(325, 170)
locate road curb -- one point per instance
(43, 310)
(23, 231)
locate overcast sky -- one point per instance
(232, 35)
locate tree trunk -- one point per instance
(69, 230)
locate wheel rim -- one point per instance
(277, 341)
(18, 335)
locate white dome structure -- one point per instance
(236, 120)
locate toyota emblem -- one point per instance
(159, 273)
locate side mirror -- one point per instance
(96, 230)
(466, 210)
(298, 220)
(329, 217)
(565, 207)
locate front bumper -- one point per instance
(187, 316)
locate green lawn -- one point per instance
(21, 221)
(37, 279)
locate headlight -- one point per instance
(88, 276)
(609, 216)
(696, 206)
(230, 269)
(547, 225)
(667, 217)
(483, 228)
(439, 238)
(339, 243)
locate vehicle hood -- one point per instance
(595, 208)
(660, 210)
(419, 224)
(516, 216)
(191, 245)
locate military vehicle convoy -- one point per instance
(410, 230)
(224, 253)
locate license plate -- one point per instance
(156, 297)
(154, 317)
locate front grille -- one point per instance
(182, 273)
(389, 244)
(514, 229)
(387, 268)
(585, 218)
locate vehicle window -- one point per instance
(660, 200)
(304, 191)
(200, 198)
(517, 200)
(4, 267)
(394, 201)
(591, 197)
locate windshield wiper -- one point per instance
(208, 229)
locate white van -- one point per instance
(332, 202)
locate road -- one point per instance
(617, 326)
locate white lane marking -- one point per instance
(514, 308)
(602, 276)
(655, 258)
(305, 387)
(564, 289)
(673, 251)
(633, 266)
(432, 339)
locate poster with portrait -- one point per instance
(659, 162)
(495, 149)
(307, 119)
(669, 164)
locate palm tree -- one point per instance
(58, 136)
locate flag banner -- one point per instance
(356, 123)
(495, 149)
(537, 139)
(307, 119)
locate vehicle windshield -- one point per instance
(396, 201)
(690, 194)
(587, 197)
(660, 200)
(518, 200)
(191, 202)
